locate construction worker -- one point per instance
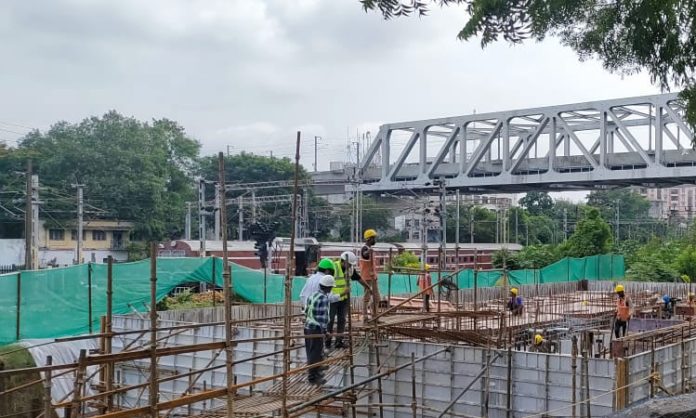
(368, 272)
(425, 281)
(316, 321)
(325, 266)
(515, 305)
(623, 312)
(338, 310)
(541, 345)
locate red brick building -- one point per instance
(243, 253)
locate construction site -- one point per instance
(466, 356)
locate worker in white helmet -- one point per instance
(339, 309)
(316, 321)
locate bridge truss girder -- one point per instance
(621, 142)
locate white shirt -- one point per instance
(312, 286)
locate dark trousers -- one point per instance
(337, 314)
(426, 302)
(314, 348)
(619, 326)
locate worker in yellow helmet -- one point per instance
(624, 306)
(516, 304)
(368, 272)
(541, 345)
(425, 281)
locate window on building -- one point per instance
(98, 236)
(56, 234)
(416, 235)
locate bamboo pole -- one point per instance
(414, 400)
(154, 385)
(351, 368)
(19, 304)
(48, 408)
(108, 339)
(89, 296)
(227, 292)
(76, 404)
(287, 324)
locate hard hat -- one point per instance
(538, 339)
(427, 266)
(513, 291)
(619, 288)
(691, 294)
(350, 258)
(327, 281)
(369, 233)
(326, 264)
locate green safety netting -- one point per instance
(56, 302)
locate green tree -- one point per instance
(537, 256)
(374, 215)
(632, 206)
(537, 203)
(12, 192)
(628, 36)
(136, 171)
(245, 168)
(685, 263)
(592, 236)
(505, 258)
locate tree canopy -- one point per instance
(592, 236)
(131, 170)
(537, 203)
(627, 36)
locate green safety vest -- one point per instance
(340, 279)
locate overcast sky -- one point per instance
(249, 73)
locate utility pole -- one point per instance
(201, 216)
(456, 232)
(80, 212)
(316, 139)
(565, 224)
(305, 213)
(471, 223)
(497, 226)
(35, 220)
(28, 221)
(216, 211)
(617, 220)
(240, 226)
(517, 226)
(187, 229)
(253, 206)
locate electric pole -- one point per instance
(617, 220)
(565, 224)
(456, 232)
(316, 139)
(253, 206)
(240, 226)
(201, 216)
(216, 212)
(305, 213)
(28, 221)
(187, 229)
(80, 214)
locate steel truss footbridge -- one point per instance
(609, 143)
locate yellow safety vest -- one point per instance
(340, 279)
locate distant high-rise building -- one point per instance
(670, 202)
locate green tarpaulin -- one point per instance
(56, 302)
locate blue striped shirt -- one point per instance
(317, 310)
